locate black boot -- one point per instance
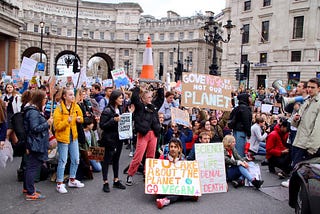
(257, 183)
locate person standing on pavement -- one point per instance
(242, 128)
(37, 142)
(307, 141)
(147, 126)
(109, 122)
(65, 117)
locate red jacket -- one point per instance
(276, 142)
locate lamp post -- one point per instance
(241, 50)
(212, 36)
(188, 61)
(127, 65)
(178, 69)
(41, 39)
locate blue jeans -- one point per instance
(235, 172)
(63, 149)
(262, 149)
(241, 139)
(96, 166)
(33, 166)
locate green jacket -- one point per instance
(86, 146)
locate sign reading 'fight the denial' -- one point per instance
(212, 167)
(165, 177)
(206, 91)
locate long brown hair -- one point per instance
(3, 111)
(37, 98)
(14, 92)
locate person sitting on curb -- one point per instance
(175, 154)
(236, 166)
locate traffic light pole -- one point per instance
(241, 49)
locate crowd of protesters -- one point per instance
(80, 118)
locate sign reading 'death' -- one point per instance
(212, 167)
(206, 91)
(119, 77)
(125, 126)
(165, 177)
(180, 117)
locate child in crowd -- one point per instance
(175, 154)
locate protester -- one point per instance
(147, 126)
(204, 137)
(175, 154)
(175, 132)
(37, 143)
(258, 137)
(3, 124)
(109, 122)
(65, 117)
(105, 100)
(236, 166)
(166, 107)
(217, 132)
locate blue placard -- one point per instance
(40, 66)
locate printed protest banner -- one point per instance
(180, 117)
(28, 66)
(125, 126)
(206, 91)
(266, 108)
(96, 153)
(165, 177)
(119, 77)
(107, 83)
(212, 167)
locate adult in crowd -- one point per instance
(174, 131)
(217, 132)
(13, 102)
(242, 127)
(236, 166)
(65, 117)
(166, 107)
(96, 92)
(307, 141)
(105, 100)
(109, 122)
(174, 155)
(37, 143)
(258, 137)
(147, 126)
(204, 137)
(277, 153)
(3, 124)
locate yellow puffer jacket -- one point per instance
(61, 125)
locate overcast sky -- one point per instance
(159, 8)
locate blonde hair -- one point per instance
(227, 141)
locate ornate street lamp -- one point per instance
(212, 36)
(41, 42)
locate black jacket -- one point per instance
(110, 134)
(244, 115)
(37, 131)
(146, 116)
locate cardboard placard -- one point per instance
(212, 167)
(206, 91)
(168, 178)
(180, 117)
(96, 153)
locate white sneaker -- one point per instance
(61, 188)
(75, 183)
(131, 154)
(285, 183)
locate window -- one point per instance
(111, 36)
(171, 58)
(79, 34)
(298, 27)
(59, 31)
(296, 56)
(245, 34)
(171, 36)
(126, 52)
(161, 36)
(91, 35)
(25, 27)
(152, 37)
(244, 58)
(266, 3)
(140, 59)
(141, 37)
(263, 57)
(161, 57)
(247, 5)
(102, 35)
(191, 35)
(69, 32)
(126, 36)
(36, 28)
(181, 35)
(46, 29)
(265, 31)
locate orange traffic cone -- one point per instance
(147, 65)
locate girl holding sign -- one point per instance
(109, 122)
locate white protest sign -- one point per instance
(266, 108)
(125, 126)
(82, 78)
(168, 178)
(28, 66)
(107, 83)
(119, 77)
(212, 167)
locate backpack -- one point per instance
(233, 118)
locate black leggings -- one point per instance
(111, 155)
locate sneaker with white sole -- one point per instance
(61, 188)
(75, 183)
(129, 181)
(285, 183)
